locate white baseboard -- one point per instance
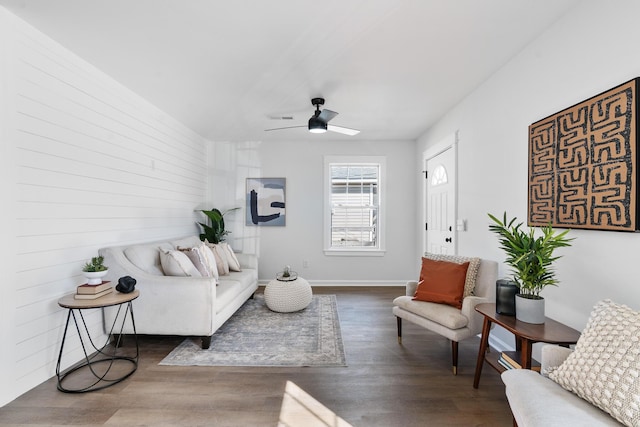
(364, 283)
(499, 344)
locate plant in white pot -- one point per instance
(95, 270)
(531, 259)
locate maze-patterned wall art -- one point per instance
(583, 164)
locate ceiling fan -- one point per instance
(319, 122)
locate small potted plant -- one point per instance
(531, 259)
(287, 275)
(95, 270)
(214, 233)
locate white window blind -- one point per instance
(355, 205)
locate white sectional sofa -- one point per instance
(171, 305)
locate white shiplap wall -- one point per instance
(88, 164)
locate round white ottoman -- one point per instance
(289, 296)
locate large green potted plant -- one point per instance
(531, 260)
(214, 233)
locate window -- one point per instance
(353, 205)
(439, 176)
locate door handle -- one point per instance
(448, 239)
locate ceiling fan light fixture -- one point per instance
(319, 122)
(317, 126)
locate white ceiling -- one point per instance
(390, 68)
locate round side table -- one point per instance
(288, 296)
(102, 360)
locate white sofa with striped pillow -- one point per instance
(174, 305)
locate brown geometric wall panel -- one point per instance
(583, 164)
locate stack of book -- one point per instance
(511, 360)
(87, 291)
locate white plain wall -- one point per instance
(229, 164)
(84, 163)
(591, 49)
(302, 163)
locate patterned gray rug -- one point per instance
(257, 336)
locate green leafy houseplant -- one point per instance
(214, 233)
(530, 258)
(95, 265)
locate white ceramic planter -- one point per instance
(530, 310)
(94, 277)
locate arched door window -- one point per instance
(439, 176)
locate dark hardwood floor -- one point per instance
(385, 384)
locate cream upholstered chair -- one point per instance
(448, 321)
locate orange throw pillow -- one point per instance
(442, 282)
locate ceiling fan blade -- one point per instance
(343, 130)
(326, 115)
(283, 117)
(288, 127)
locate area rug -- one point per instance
(257, 336)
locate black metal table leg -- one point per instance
(94, 355)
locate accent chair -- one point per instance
(454, 323)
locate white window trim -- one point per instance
(377, 251)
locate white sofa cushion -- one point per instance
(232, 260)
(443, 314)
(536, 401)
(176, 263)
(210, 260)
(146, 257)
(202, 258)
(229, 286)
(604, 368)
(221, 258)
(200, 255)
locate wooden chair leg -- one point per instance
(454, 356)
(399, 321)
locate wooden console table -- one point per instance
(526, 335)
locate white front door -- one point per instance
(440, 202)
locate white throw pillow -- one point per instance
(176, 263)
(145, 257)
(198, 259)
(221, 258)
(234, 264)
(604, 368)
(210, 260)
